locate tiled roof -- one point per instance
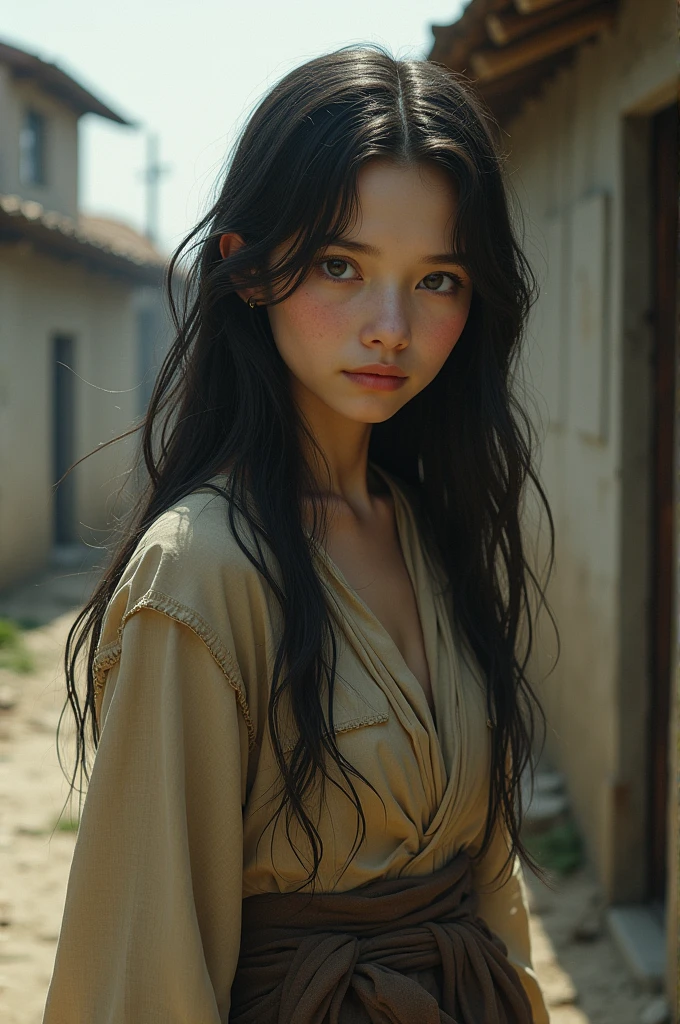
(119, 237)
(100, 243)
(508, 48)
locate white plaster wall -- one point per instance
(567, 145)
(38, 298)
(60, 192)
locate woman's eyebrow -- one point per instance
(363, 247)
(446, 257)
(372, 250)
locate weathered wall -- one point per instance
(38, 298)
(60, 191)
(579, 155)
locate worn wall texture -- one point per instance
(580, 161)
(39, 298)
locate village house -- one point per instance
(81, 319)
(585, 95)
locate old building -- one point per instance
(585, 93)
(80, 312)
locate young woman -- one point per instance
(305, 665)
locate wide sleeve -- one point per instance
(503, 905)
(152, 920)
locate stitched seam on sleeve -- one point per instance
(107, 656)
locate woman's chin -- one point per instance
(370, 410)
(373, 416)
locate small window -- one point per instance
(32, 149)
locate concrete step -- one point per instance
(641, 941)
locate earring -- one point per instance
(252, 303)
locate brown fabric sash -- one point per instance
(400, 951)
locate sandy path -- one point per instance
(33, 863)
(585, 982)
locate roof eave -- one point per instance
(509, 52)
(58, 237)
(58, 83)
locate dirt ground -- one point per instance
(581, 972)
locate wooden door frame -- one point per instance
(664, 148)
(632, 811)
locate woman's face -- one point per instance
(389, 295)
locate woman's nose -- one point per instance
(387, 320)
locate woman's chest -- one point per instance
(373, 565)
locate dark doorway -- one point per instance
(665, 200)
(147, 333)
(63, 437)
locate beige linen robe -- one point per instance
(174, 829)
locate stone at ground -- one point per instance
(656, 1012)
(8, 697)
(591, 923)
(640, 938)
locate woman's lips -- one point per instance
(376, 381)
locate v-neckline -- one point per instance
(397, 499)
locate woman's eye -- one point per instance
(434, 282)
(339, 269)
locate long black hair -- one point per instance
(464, 444)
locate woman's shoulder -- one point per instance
(194, 534)
(199, 537)
(189, 565)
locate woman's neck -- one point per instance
(344, 444)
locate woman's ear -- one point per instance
(230, 244)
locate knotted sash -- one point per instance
(399, 951)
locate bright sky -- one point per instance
(191, 70)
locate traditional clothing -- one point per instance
(176, 827)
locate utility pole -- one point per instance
(153, 173)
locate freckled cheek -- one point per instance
(441, 336)
(306, 328)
